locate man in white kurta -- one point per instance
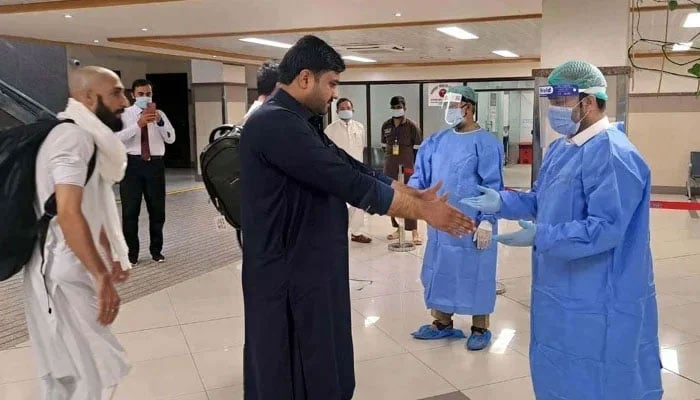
(70, 296)
(350, 136)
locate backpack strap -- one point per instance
(50, 211)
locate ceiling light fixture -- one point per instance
(95, 41)
(505, 53)
(359, 59)
(398, 14)
(692, 21)
(144, 29)
(683, 46)
(457, 32)
(266, 42)
(67, 16)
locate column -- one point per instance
(220, 97)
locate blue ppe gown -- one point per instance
(457, 277)
(594, 333)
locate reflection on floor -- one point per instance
(185, 342)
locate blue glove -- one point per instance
(522, 238)
(488, 202)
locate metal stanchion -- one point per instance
(402, 245)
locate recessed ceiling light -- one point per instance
(359, 59)
(692, 21)
(216, 56)
(95, 41)
(457, 32)
(266, 42)
(144, 29)
(398, 14)
(68, 16)
(505, 53)
(682, 46)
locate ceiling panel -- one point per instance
(423, 43)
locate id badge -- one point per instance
(395, 150)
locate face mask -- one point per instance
(345, 115)
(398, 113)
(454, 116)
(142, 102)
(560, 119)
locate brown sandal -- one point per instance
(360, 239)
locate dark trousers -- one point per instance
(143, 179)
(505, 148)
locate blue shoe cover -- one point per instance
(478, 341)
(429, 332)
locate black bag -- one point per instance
(20, 230)
(221, 173)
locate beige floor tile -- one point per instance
(400, 377)
(25, 390)
(214, 335)
(189, 311)
(518, 389)
(682, 318)
(162, 378)
(153, 344)
(465, 369)
(220, 368)
(149, 312)
(17, 365)
(679, 388)
(229, 393)
(370, 343)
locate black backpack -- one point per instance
(20, 230)
(221, 173)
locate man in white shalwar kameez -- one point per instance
(350, 136)
(71, 305)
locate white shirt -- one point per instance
(157, 135)
(349, 136)
(256, 104)
(69, 342)
(587, 134)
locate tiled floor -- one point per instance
(185, 342)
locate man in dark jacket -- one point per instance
(295, 186)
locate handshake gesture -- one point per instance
(431, 207)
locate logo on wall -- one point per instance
(437, 92)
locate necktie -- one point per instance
(145, 147)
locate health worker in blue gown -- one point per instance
(594, 329)
(459, 274)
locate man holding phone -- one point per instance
(146, 131)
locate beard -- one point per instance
(108, 117)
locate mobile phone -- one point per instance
(151, 107)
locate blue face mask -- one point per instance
(560, 119)
(142, 102)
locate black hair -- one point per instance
(309, 53)
(268, 73)
(396, 100)
(141, 82)
(601, 103)
(343, 100)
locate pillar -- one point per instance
(220, 97)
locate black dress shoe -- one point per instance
(159, 258)
(134, 261)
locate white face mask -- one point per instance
(398, 113)
(345, 115)
(142, 102)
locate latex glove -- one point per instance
(482, 237)
(522, 238)
(488, 202)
